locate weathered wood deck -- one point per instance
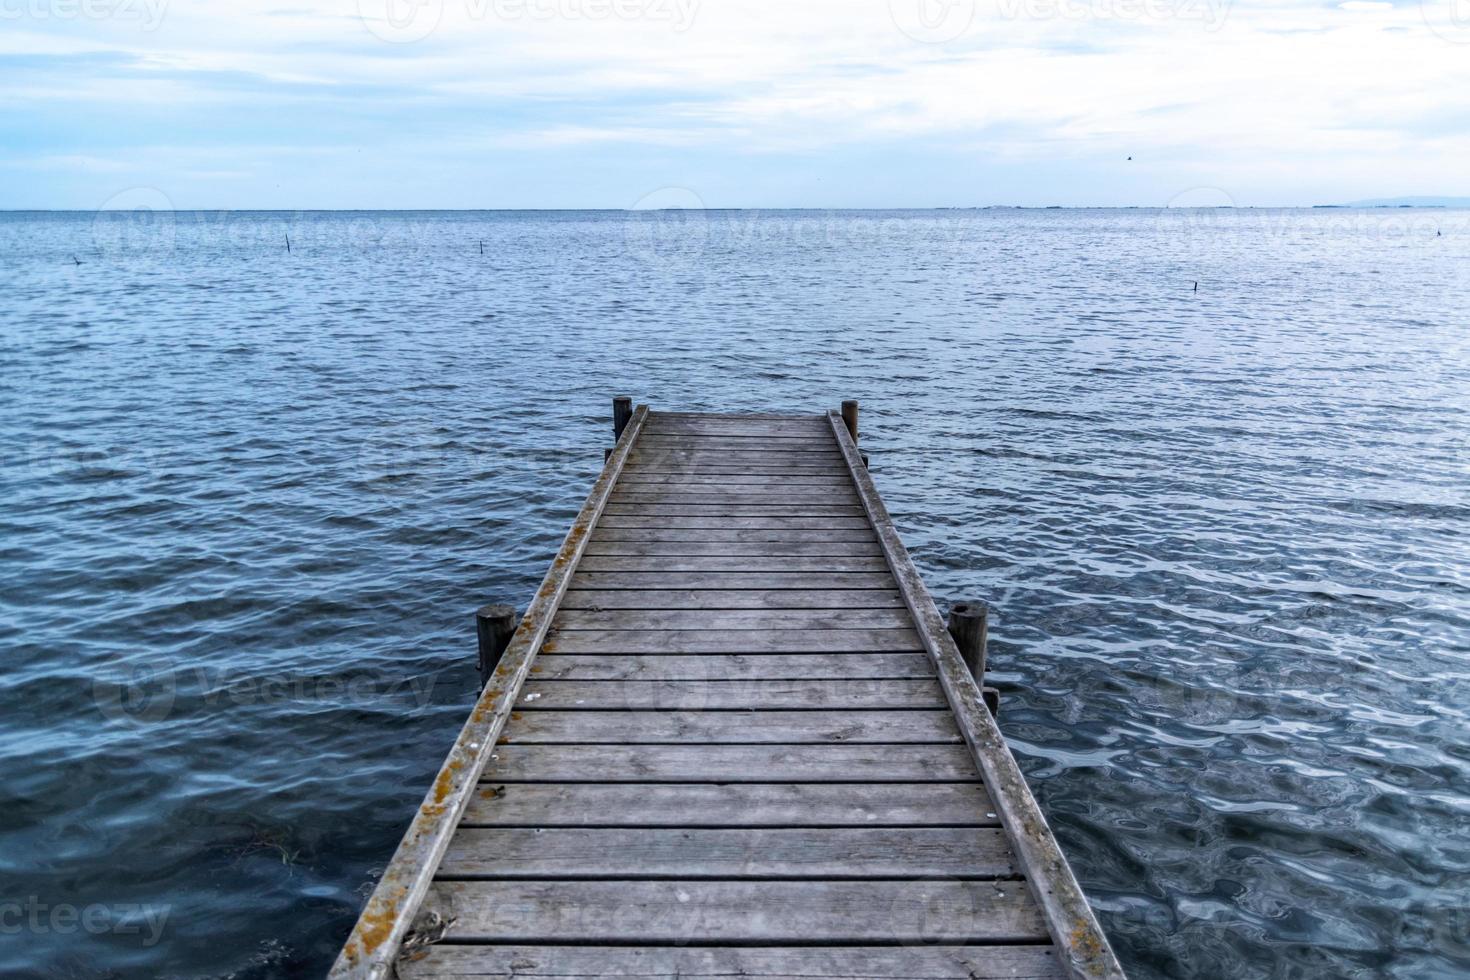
(731, 737)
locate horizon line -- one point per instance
(941, 207)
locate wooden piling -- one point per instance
(494, 625)
(622, 412)
(850, 418)
(969, 625)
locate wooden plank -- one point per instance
(734, 694)
(837, 549)
(731, 805)
(728, 510)
(747, 435)
(872, 727)
(828, 455)
(767, 495)
(649, 478)
(731, 523)
(740, 535)
(807, 427)
(685, 472)
(738, 416)
(633, 854)
(726, 580)
(763, 495)
(698, 599)
(770, 667)
(373, 945)
(768, 641)
(788, 564)
(766, 431)
(731, 619)
(750, 460)
(943, 910)
(1072, 924)
(723, 963)
(731, 764)
(709, 443)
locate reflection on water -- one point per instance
(251, 498)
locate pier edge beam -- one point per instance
(494, 625)
(850, 419)
(969, 625)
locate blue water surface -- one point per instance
(251, 496)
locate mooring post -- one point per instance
(850, 418)
(622, 415)
(494, 625)
(969, 624)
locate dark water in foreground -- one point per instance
(250, 499)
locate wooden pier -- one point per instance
(731, 737)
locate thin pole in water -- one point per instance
(482, 248)
(1196, 285)
(288, 244)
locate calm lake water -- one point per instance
(251, 498)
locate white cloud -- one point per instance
(1210, 85)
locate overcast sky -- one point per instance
(802, 103)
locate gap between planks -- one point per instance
(767, 667)
(731, 764)
(736, 694)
